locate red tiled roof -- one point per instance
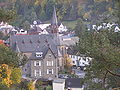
(1, 42)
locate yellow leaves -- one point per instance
(36, 2)
(31, 86)
(109, 9)
(7, 81)
(40, 2)
(68, 61)
(6, 75)
(16, 75)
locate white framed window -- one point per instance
(37, 63)
(39, 54)
(49, 63)
(37, 72)
(40, 72)
(50, 71)
(34, 63)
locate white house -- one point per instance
(5, 28)
(42, 26)
(80, 61)
(117, 29)
(106, 26)
(62, 28)
(59, 84)
(21, 32)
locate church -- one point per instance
(44, 52)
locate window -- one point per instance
(84, 58)
(37, 63)
(73, 61)
(73, 56)
(49, 71)
(25, 69)
(49, 63)
(23, 42)
(37, 72)
(39, 54)
(50, 55)
(30, 41)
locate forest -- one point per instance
(26, 11)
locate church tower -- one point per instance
(54, 21)
(56, 37)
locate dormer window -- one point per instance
(30, 41)
(38, 41)
(23, 41)
(39, 54)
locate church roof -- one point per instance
(44, 50)
(29, 43)
(54, 18)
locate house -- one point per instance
(5, 28)
(21, 32)
(59, 84)
(42, 28)
(44, 63)
(62, 28)
(104, 25)
(42, 53)
(117, 29)
(74, 84)
(78, 60)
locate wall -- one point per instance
(58, 86)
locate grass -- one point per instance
(70, 24)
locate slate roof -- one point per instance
(69, 41)
(72, 51)
(29, 43)
(34, 30)
(44, 50)
(73, 83)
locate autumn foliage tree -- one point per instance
(9, 75)
(5, 73)
(68, 63)
(31, 86)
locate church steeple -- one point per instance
(54, 21)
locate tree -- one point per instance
(16, 75)
(7, 15)
(10, 57)
(7, 56)
(26, 25)
(105, 54)
(9, 75)
(68, 63)
(31, 86)
(49, 8)
(1, 35)
(80, 28)
(5, 73)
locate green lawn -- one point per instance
(70, 24)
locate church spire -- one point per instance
(54, 18)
